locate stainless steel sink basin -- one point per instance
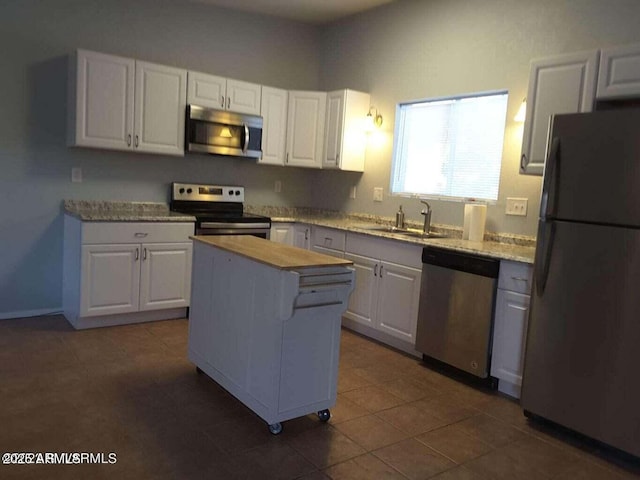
(409, 232)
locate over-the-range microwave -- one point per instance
(223, 133)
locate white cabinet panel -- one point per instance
(398, 300)
(274, 128)
(206, 90)
(160, 108)
(165, 280)
(619, 75)
(305, 128)
(243, 97)
(101, 89)
(282, 233)
(302, 236)
(345, 137)
(363, 300)
(562, 84)
(110, 279)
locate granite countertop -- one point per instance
(517, 248)
(107, 211)
(277, 255)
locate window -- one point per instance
(450, 148)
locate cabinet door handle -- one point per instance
(375, 270)
(524, 162)
(129, 140)
(137, 253)
(137, 142)
(306, 234)
(520, 279)
(144, 253)
(222, 102)
(140, 235)
(287, 160)
(228, 103)
(381, 270)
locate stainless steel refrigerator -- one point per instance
(582, 360)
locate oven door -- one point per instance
(223, 133)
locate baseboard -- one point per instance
(381, 337)
(30, 313)
(126, 318)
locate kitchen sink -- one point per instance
(409, 232)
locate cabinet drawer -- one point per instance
(328, 238)
(516, 277)
(135, 232)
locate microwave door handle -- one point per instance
(246, 138)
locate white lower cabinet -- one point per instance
(111, 278)
(510, 326)
(302, 236)
(387, 290)
(291, 234)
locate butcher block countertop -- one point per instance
(277, 255)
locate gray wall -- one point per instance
(405, 50)
(414, 49)
(36, 165)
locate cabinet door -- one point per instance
(363, 300)
(110, 279)
(398, 300)
(305, 128)
(333, 132)
(165, 280)
(243, 97)
(161, 94)
(301, 236)
(206, 90)
(281, 233)
(509, 335)
(619, 75)
(563, 84)
(102, 116)
(274, 129)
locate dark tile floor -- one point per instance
(131, 390)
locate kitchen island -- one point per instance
(265, 323)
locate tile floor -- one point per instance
(131, 390)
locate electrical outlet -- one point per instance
(277, 186)
(352, 192)
(517, 206)
(76, 174)
(377, 194)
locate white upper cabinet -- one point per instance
(160, 108)
(305, 128)
(562, 84)
(619, 75)
(345, 135)
(274, 127)
(123, 104)
(101, 89)
(225, 94)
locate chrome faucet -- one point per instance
(427, 218)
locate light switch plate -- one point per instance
(352, 192)
(377, 194)
(76, 174)
(277, 186)
(517, 206)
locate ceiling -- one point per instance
(309, 11)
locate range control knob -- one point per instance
(181, 190)
(230, 192)
(237, 192)
(189, 190)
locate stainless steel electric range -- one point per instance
(219, 210)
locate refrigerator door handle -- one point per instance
(546, 232)
(549, 200)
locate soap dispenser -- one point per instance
(400, 218)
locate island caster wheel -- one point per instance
(324, 415)
(275, 428)
(199, 371)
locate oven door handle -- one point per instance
(246, 138)
(238, 226)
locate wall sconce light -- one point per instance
(373, 119)
(522, 111)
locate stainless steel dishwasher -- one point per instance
(455, 317)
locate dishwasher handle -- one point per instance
(463, 262)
